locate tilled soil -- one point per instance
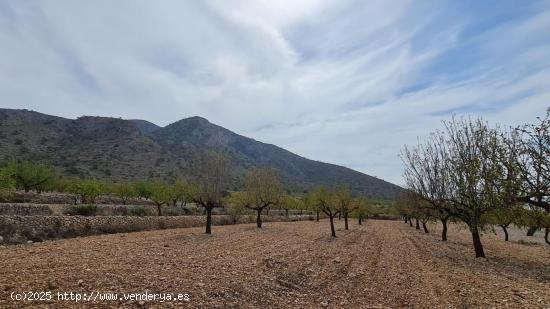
(381, 264)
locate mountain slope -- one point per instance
(116, 149)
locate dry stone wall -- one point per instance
(18, 209)
(18, 229)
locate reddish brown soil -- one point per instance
(382, 264)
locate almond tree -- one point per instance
(210, 185)
(534, 163)
(263, 190)
(426, 174)
(361, 209)
(160, 194)
(31, 176)
(86, 190)
(475, 173)
(7, 184)
(503, 217)
(180, 191)
(403, 207)
(290, 202)
(467, 155)
(420, 210)
(324, 200)
(236, 203)
(344, 202)
(143, 189)
(309, 202)
(124, 191)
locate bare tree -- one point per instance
(426, 174)
(534, 163)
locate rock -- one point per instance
(324, 303)
(52, 285)
(141, 303)
(80, 282)
(200, 284)
(337, 260)
(1, 239)
(29, 241)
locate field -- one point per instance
(381, 264)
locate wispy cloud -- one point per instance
(347, 82)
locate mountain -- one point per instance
(117, 149)
(145, 126)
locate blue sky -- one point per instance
(345, 82)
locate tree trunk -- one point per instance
(444, 232)
(478, 247)
(346, 221)
(360, 220)
(332, 230)
(532, 230)
(425, 228)
(505, 232)
(546, 235)
(317, 215)
(405, 218)
(410, 222)
(286, 213)
(159, 208)
(259, 218)
(208, 221)
(339, 216)
(417, 224)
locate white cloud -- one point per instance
(347, 82)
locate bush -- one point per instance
(81, 210)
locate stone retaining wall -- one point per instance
(26, 209)
(18, 229)
(61, 198)
(19, 209)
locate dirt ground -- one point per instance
(382, 264)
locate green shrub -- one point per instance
(82, 210)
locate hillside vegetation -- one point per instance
(117, 150)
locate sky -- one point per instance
(344, 82)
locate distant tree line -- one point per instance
(206, 188)
(480, 175)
